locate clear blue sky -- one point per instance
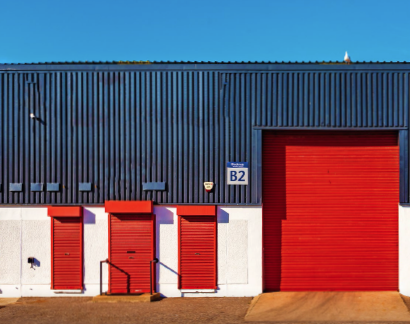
(210, 30)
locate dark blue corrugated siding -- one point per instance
(335, 99)
(120, 129)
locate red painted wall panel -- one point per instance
(67, 252)
(330, 211)
(131, 248)
(197, 252)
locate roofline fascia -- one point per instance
(228, 68)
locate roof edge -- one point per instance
(204, 62)
(204, 66)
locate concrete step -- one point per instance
(7, 301)
(143, 298)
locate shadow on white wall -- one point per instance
(89, 216)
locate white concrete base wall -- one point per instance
(25, 232)
(239, 252)
(404, 250)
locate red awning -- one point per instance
(64, 211)
(196, 210)
(129, 207)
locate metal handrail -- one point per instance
(150, 273)
(101, 262)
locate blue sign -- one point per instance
(237, 173)
(237, 164)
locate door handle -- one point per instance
(67, 253)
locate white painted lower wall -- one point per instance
(239, 252)
(404, 250)
(25, 232)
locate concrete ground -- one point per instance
(329, 307)
(169, 310)
(73, 310)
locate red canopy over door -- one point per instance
(330, 211)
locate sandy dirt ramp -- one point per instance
(328, 306)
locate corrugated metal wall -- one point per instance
(120, 129)
(325, 99)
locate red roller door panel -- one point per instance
(131, 248)
(330, 211)
(197, 252)
(67, 252)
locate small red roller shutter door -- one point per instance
(197, 247)
(131, 248)
(330, 211)
(67, 247)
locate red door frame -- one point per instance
(132, 207)
(184, 210)
(72, 211)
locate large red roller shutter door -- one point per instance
(131, 248)
(66, 248)
(330, 211)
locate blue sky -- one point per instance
(240, 30)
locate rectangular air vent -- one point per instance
(84, 186)
(15, 187)
(36, 187)
(53, 187)
(153, 186)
